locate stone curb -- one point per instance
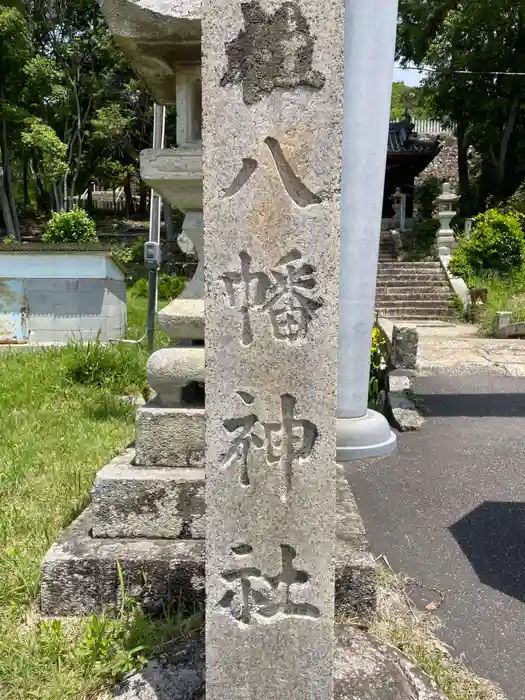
(400, 404)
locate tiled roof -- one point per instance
(54, 248)
(403, 139)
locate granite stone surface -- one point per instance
(272, 167)
(157, 503)
(170, 370)
(364, 669)
(79, 576)
(169, 437)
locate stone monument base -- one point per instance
(79, 574)
(364, 668)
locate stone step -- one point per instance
(442, 297)
(407, 312)
(416, 290)
(415, 304)
(401, 283)
(135, 502)
(169, 437)
(414, 265)
(408, 276)
(79, 574)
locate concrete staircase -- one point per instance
(411, 290)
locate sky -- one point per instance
(409, 77)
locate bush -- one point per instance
(169, 287)
(517, 201)
(496, 244)
(378, 367)
(70, 227)
(425, 195)
(120, 368)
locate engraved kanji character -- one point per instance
(246, 290)
(252, 594)
(246, 436)
(288, 440)
(290, 302)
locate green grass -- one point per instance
(504, 294)
(414, 633)
(55, 433)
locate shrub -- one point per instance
(378, 367)
(496, 244)
(137, 250)
(120, 368)
(70, 227)
(425, 195)
(425, 234)
(123, 254)
(169, 287)
(517, 200)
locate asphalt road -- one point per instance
(448, 509)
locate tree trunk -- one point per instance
(89, 204)
(505, 139)
(129, 196)
(65, 200)
(6, 209)
(58, 196)
(168, 222)
(143, 193)
(8, 180)
(463, 172)
(26, 185)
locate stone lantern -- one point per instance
(446, 211)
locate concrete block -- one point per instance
(355, 582)
(79, 573)
(169, 437)
(132, 502)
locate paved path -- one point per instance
(448, 508)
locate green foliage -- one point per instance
(50, 151)
(122, 253)
(464, 42)
(504, 294)
(137, 250)
(70, 227)
(516, 201)
(170, 287)
(130, 254)
(406, 98)
(425, 194)
(425, 235)
(496, 244)
(378, 367)
(119, 367)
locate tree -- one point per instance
(409, 99)
(64, 85)
(14, 54)
(48, 155)
(466, 43)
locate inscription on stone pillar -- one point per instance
(272, 129)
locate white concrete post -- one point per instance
(370, 35)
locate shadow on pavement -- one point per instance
(492, 537)
(474, 405)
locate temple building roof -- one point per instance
(403, 140)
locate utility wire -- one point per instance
(460, 72)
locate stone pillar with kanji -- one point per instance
(272, 132)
